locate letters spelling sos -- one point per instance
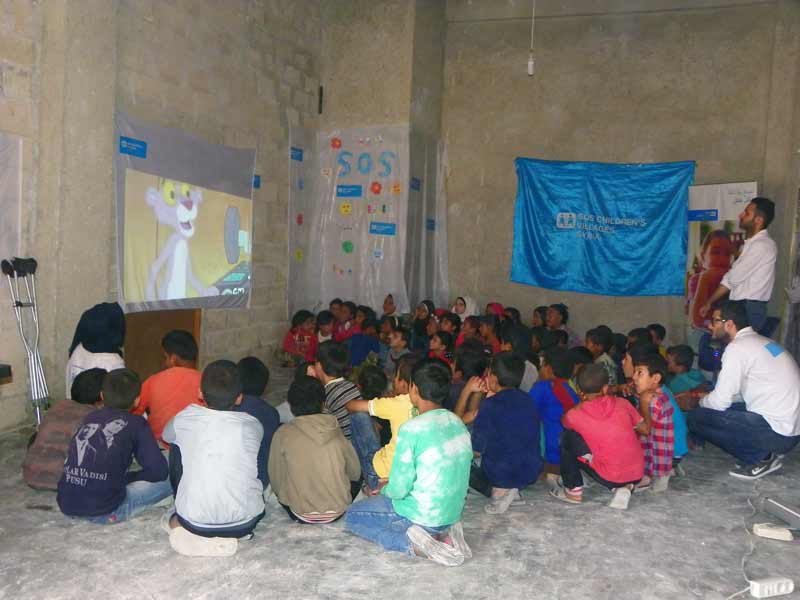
(365, 164)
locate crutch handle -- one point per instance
(8, 268)
(24, 266)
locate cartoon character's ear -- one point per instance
(152, 197)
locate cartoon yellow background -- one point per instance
(145, 236)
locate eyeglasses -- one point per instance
(718, 320)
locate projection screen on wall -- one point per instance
(184, 219)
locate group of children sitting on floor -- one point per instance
(436, 404)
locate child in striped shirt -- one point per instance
(657, 433)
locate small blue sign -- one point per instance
(256, 181)
(706, 214)
(377, 228)
(296, 153)
(348, 191)
(132, 146)
(430, 224)
(416, 184)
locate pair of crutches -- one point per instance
(23, 301)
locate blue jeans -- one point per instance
(139, 496)
(746, 435)
(756, 313)
(374, 519)
(366, 443)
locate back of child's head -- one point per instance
(405, 366)
(491, 322)
(334, 303)
(432, 378)
(509, 368)
(472, 322)
(580, 355)
(372, 382)
(369, 326)
(639, 335)
(619, 345)
(600, 336)
(561, 337)
(302, 369)
(446, 339)
(325, 317)
(592, 378)
(513, 315)
(300, 318)
(658, 331)
(334, 358)
(306, 396)
(393, 322)
(453, 319)
(88, 384)
(254, 375)
(560, 361)
(542, 312)
(121, 387)
(351, 307)
(221, 384)
(180, 343)
(471, 361)
(655, 363)
(513, 334)
(682, 355)
(640, 350)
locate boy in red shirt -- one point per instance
(657, 430)
(600, 439)
(168, 392)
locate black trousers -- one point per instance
(479, 482)
(572, 446)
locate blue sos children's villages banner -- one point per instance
(597, 228)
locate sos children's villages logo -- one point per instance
(601, 223)
(565, 220)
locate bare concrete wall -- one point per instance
(237, 73)
(612, 84)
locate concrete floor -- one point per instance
(687, 543)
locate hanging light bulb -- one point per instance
(530, 54)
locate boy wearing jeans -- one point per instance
(419, 510)
(96, 484)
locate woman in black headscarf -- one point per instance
(419, 334)
(98, 341)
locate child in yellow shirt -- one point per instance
(397, 410)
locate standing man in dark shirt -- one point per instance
(96, 484)
(255, 377)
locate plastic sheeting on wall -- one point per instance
(362, 223)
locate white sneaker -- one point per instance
(189, 544)
(621, 498)
(456, 534)
(659, 485)
(424, 545)
(499, 505)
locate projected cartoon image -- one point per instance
(183, 241)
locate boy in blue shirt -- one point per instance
(505, 434)
(96, 484)
(254, 375)
(683, 377)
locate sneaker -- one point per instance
(621, 498)
(189, 544)
(424, 545)
(659, 485)
(560, 493)
(758, 470)
(456, 536)
(499, 505)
